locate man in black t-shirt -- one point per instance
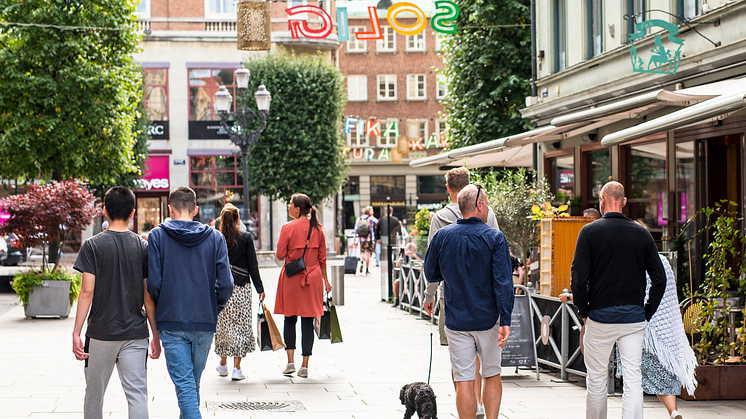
(114, 264)
(394, 227)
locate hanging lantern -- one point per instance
(395, 156)
(253, 25)
(403, 145)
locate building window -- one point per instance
(203, 83)
(389, 140)
(416, 42)
(143, 9)
(220, 7)
(155, 81)
(562, 178)
(560, 35)
(637, 9)
(440, 93)
(417, 128)
(688, 8)
(441, 126)
(388, 43)
(356, 137)
(416, 86)
(646, 183)
(595, 16)
(387, 185)
(439, 41)
(598, 170)
(357, 88)
(431, 184)
(295, 3)
(386, 86)
(217, 181)
(354, 44)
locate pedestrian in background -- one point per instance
(302, 294)
(114, 266)
(234, 335)
(365, 230)
(456, 179)
(473, 261)
(190, 281)
(608, 284)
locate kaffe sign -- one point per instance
(442, 21)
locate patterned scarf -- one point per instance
(665, 336)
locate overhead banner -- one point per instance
(443, 21)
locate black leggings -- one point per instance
(306, 328)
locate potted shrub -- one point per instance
(46, 213)
(721, 353)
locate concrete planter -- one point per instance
(719, 382)
(51, 299)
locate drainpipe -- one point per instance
(271, 226)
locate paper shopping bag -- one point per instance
(269, 336)
(336, 332)
(322, 325)
(274, 332)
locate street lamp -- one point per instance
(243, 116)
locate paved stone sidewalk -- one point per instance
(383, 349)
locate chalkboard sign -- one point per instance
(519, 350)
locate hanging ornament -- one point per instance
(253, 25)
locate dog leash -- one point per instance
(430, 368)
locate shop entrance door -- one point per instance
(151, 211)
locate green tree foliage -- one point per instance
(69, 96)
(301, 151)
(488, 71)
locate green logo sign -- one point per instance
(661, 60)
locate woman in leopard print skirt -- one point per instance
(234, 336)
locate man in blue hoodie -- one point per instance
(190, 280)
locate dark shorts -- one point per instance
(367, 246)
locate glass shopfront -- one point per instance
(597, 172)
(152, 194)
(646, 184)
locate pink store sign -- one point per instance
(156, 176)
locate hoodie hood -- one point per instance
(449, 215)
(187, 233)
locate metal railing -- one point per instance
(412, 285)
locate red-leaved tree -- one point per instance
(49, 212)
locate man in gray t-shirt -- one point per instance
(114, 266)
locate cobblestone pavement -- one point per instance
(383, 349)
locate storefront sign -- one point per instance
(156, 176)
(392, 203)
(158, 130)
(661, 60)
(208, 130)
(443, 21)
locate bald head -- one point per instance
(612, 197)
(467, 199)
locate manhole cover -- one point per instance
(281, 406)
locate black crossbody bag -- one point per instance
(298, 266)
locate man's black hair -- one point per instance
(182, 199)
(119, 203)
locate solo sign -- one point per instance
(442, 21)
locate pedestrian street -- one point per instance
(383, 349)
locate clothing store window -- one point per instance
(598, 169)
(155, 81)
(203, 83)
(217, 181)
(645, 187)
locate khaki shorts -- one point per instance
(463, 348)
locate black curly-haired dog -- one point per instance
(420, 398)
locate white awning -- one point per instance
(696, 113)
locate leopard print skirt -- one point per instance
(234, 335)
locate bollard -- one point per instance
(338, 285)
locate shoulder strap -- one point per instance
(307, 239)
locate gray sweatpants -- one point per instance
(130, 357)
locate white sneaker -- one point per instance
(480, 411)
(303, 372)
(237, 375)
(676, 415)
(289, 369)
(222, 370)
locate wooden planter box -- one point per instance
(719, 382)
(51, 299)
(558, 238)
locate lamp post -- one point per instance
(243, 116)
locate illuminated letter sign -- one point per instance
(301, 26)
(373, 128)
(392, 128)
(413, 29)
(450, 13)
(350, 124)
(376, 34)
(342, 34)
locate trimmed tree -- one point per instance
(69, 95)
(488, 71)
(301, 150)
(47, 212)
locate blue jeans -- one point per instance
(378, 253)
(186, 355)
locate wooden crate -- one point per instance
(558, 237)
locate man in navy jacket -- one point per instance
(473, 260)
(190, 280)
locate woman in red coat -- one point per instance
(301, 294)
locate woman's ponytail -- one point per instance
(314, 220)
